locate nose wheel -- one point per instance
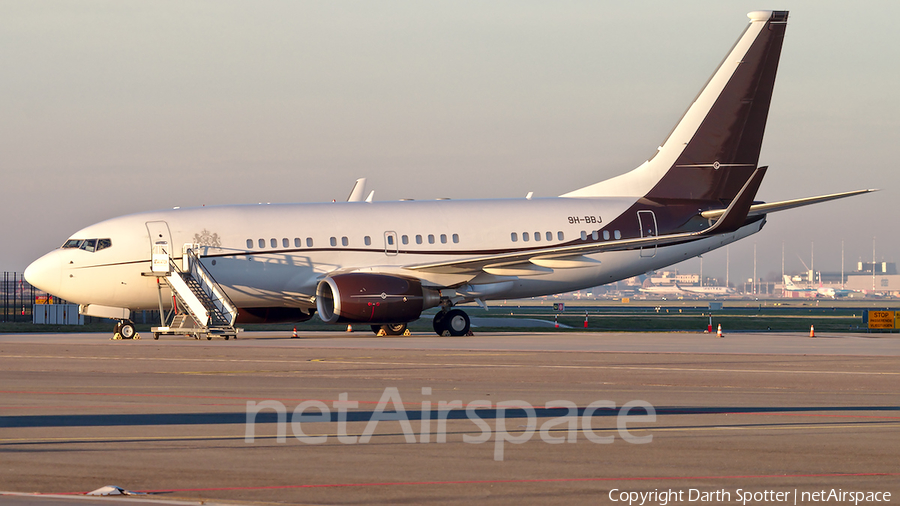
(455, 322)
(124, 329)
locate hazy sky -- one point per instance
(115, 107)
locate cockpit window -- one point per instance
(89, 245)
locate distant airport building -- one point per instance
(672, 277)
(887, 268)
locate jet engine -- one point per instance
(359, 297)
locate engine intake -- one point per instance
(373, 298)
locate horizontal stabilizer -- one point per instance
(760, 209)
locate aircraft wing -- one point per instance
(540, 260)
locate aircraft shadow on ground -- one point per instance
(271, 417)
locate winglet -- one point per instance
(736, 214)
(359, 189)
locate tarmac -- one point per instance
(498, 418)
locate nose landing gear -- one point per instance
(124, 329)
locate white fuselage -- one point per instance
(275, 255)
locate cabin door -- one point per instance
(158, 232)
(647, 224)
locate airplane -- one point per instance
(384, 263)
(714, 291)
(789, 286)
(672, 289)
(834, 293)
(690, 291)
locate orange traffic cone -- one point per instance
(585, 319)
(294, 336)
(349, 328)
(812, 331)
(555, 321)
(719, 332)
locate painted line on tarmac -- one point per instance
(613, 367)
(536, 480)
(461, 365)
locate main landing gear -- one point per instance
(454, 322)
(390, 329)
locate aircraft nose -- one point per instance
(45, 273)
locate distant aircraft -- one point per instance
(717, 291)
(834, 293)
(693, 291)
(384, 263)
(789, 286)
(672, 289)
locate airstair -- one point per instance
(199, 305)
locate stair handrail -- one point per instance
(211, 287)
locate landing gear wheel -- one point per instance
(126, 329)
(208, 337)
(457, 322)
(439, 323)
(390, 329)
(394, 329)
(156, 336)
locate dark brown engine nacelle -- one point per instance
(372, 298)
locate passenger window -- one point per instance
(344, 241)
(309, 242)
(525, 236)
(404, 239)
(443, 238)
(367, 240)
(273, 242)
(537, 236)
(249, 243)
(296, 242)
(103, 244)
(617, 234)
(514, 237)
(594, 235)
(549, 236)
(284, 243)
(606, 235)
(262, 243)
(560, 236)
(430, 238)
(455, 238)
(390, 239)
(334, 241)
(418, 239)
